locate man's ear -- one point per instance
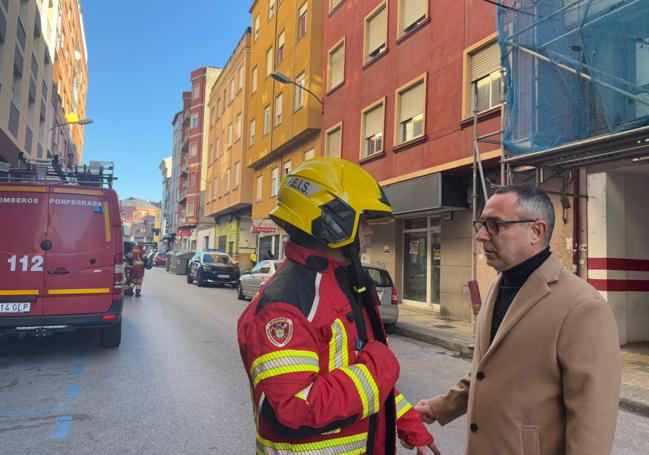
(539, 228)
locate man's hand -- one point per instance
(423, 450)
(425, 412)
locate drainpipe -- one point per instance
(583, 225)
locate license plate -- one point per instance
(18, 307)
(223, 276)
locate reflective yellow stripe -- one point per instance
(338, 353)
(348, 445)
(403, 405)
(19, 292)
(283, 362)
(365, 386)
(75, 191)
(79, 291)
(24, 189)
(106, 222)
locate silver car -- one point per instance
(387, 295)
(250, 282)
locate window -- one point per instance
(230, 135)
(288, 165)
(218, 107)
(269, 61)
(274, 182)
(196, 91)
(217, 148)
(241, 77)
(333, 4)
(411, 106)
(237, 174)
(256, 28)
(372, 130)
(280, 48)
(193, 149)
(301, 21)
(271, 8)
(336, 66)
(266, 120)
(260, 183)
(309, 154)
(231, 90)
(299, 91)
(253, 127)
(376, 28)
(333, 143)
(254, 79)
(411, 14)
(225, 98)
(278, 109)
(227, 180)
(212, 116)
(194, 123)
(484, 76)
(239, 126)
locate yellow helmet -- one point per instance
(325, 199)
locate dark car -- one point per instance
(212, 267)
(160, 259)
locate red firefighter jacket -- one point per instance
(316, 387)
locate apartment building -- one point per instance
(167, 206)
(283, 120)
(229, 191)
(70, 79)
(27, 40)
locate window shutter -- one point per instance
(376, 28)
(412, 102)
(412, 10)
(337, 68)
(485, 61)
(374, 121)
(334, 142)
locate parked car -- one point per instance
(250, 282)
(160, 260)
(61, 253)
(387, 293)
(211, 267)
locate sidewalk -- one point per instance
(457, 337)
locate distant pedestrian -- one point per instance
(545, 376)
(270, 255)
(253, 258)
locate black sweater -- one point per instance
(513, 280)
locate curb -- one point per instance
(465, 351)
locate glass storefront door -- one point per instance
(435, 263)
(422, 260)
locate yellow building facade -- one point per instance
(283, 120)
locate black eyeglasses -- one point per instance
(493, 226)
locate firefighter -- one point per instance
(137, 262)
(321, 374)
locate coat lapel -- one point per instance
(533, 290)
(486, 313)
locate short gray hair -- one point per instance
(533, 204)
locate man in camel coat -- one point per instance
(545, 376)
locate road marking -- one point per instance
(77, 369)
(73, 390)
(35, 411)
(62, 430)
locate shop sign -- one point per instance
(183, 232)
(265, 226)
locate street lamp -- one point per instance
(284, 79)
(83, 121)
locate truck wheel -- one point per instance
(189, 278)
(200, 281)
(111, 337)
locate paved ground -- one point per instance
(176, 385)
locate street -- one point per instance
(176, 384)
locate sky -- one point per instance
(140, 56)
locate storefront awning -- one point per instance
(430, 193)
(593, 151)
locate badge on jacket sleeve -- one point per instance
(279, 331)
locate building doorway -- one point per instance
(421, 261)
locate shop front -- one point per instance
(271, 239)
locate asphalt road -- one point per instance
(176, 384)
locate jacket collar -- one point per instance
(311, 259)
(535, 288)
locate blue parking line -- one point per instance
(35, 411)
(62, 430)
(77, 369)
(73, 390)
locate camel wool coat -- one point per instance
(549, 382)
